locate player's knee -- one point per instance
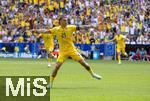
(118, 53)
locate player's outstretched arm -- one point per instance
(108, 41)
(127, 39)
(86, 26)
(112, 40)
(41, 30)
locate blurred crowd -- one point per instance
(139, 54)
(130, 17)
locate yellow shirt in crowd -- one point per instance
(62, 5)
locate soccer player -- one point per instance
(64, 34)
(49, 45)
(120, 40)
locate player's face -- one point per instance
(63, 22)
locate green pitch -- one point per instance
(127, 82)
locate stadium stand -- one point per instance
(131, 17)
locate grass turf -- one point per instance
(127, 82)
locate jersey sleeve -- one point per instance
(115, 38)
(123, 37)
(53, 30)
(73, 28)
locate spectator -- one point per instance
(144, 55)
(138, 54)
(132, 56)
(26, 49)
(132, 18)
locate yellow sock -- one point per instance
(91, 71)
(119, 58)
(52, 79)
(49, 59)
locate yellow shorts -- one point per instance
(121, 49)
(74, 55)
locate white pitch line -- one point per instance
(24, 62)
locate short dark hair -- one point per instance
(61, 18)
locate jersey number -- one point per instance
(63, 35)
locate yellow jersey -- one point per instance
(30, 1)
(65, 37)
(23, 23)
(51, 7)
(62, 5)
(120, 39)
(41, 2)
(48, 40)
(56, 5)
(20, 39)
(139, 26)
(88, 11)
(16, 49)
(35, 2)
(123, 28)
(26, 1)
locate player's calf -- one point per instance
(89, 69)
(57, 67)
